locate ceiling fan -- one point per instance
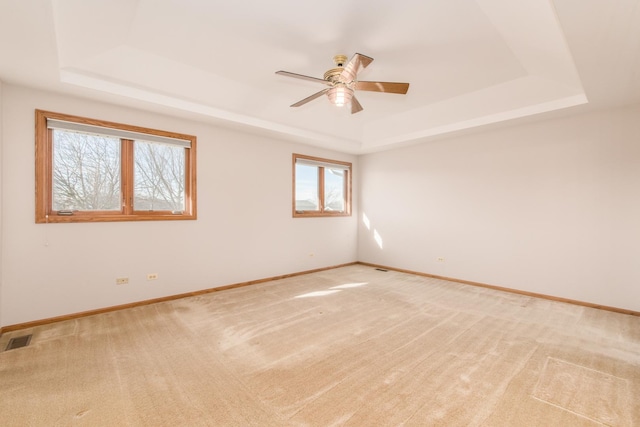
(343, 82)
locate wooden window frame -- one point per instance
(44, 175)
(322, 212)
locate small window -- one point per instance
(321, 187)
(92, 170)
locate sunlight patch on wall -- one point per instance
(365, 220)
(377, 238)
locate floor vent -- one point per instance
(18, 342)
(382, 269)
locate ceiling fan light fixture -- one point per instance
(340, 95)
(342, 81)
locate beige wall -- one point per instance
(244, 229)
(551, 207)
(1, 204)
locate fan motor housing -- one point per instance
(333, 74)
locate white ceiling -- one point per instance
(469, 62)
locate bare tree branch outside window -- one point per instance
(334, 190)
(86, 172)
(159, 172)
(90, 170)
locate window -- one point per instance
(93, 170)
(321, 187)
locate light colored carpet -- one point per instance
(350, 346)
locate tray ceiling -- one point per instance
(470, 62)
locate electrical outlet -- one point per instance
(122, 280)
(152, 276)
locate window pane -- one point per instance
(334, 190)
(307, 188)
(159, 176)
(86, 172)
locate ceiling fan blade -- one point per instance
(355, 106)
(356, 64)
(310, 98)
(303, 77)
(389, 87)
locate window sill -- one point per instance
(310, 214)
(87, 217)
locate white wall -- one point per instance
(551, 207)
(1, 212)
(244, 229)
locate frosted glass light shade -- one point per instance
(340, 95)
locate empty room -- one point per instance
(358, 213)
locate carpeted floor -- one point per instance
(350, 346)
